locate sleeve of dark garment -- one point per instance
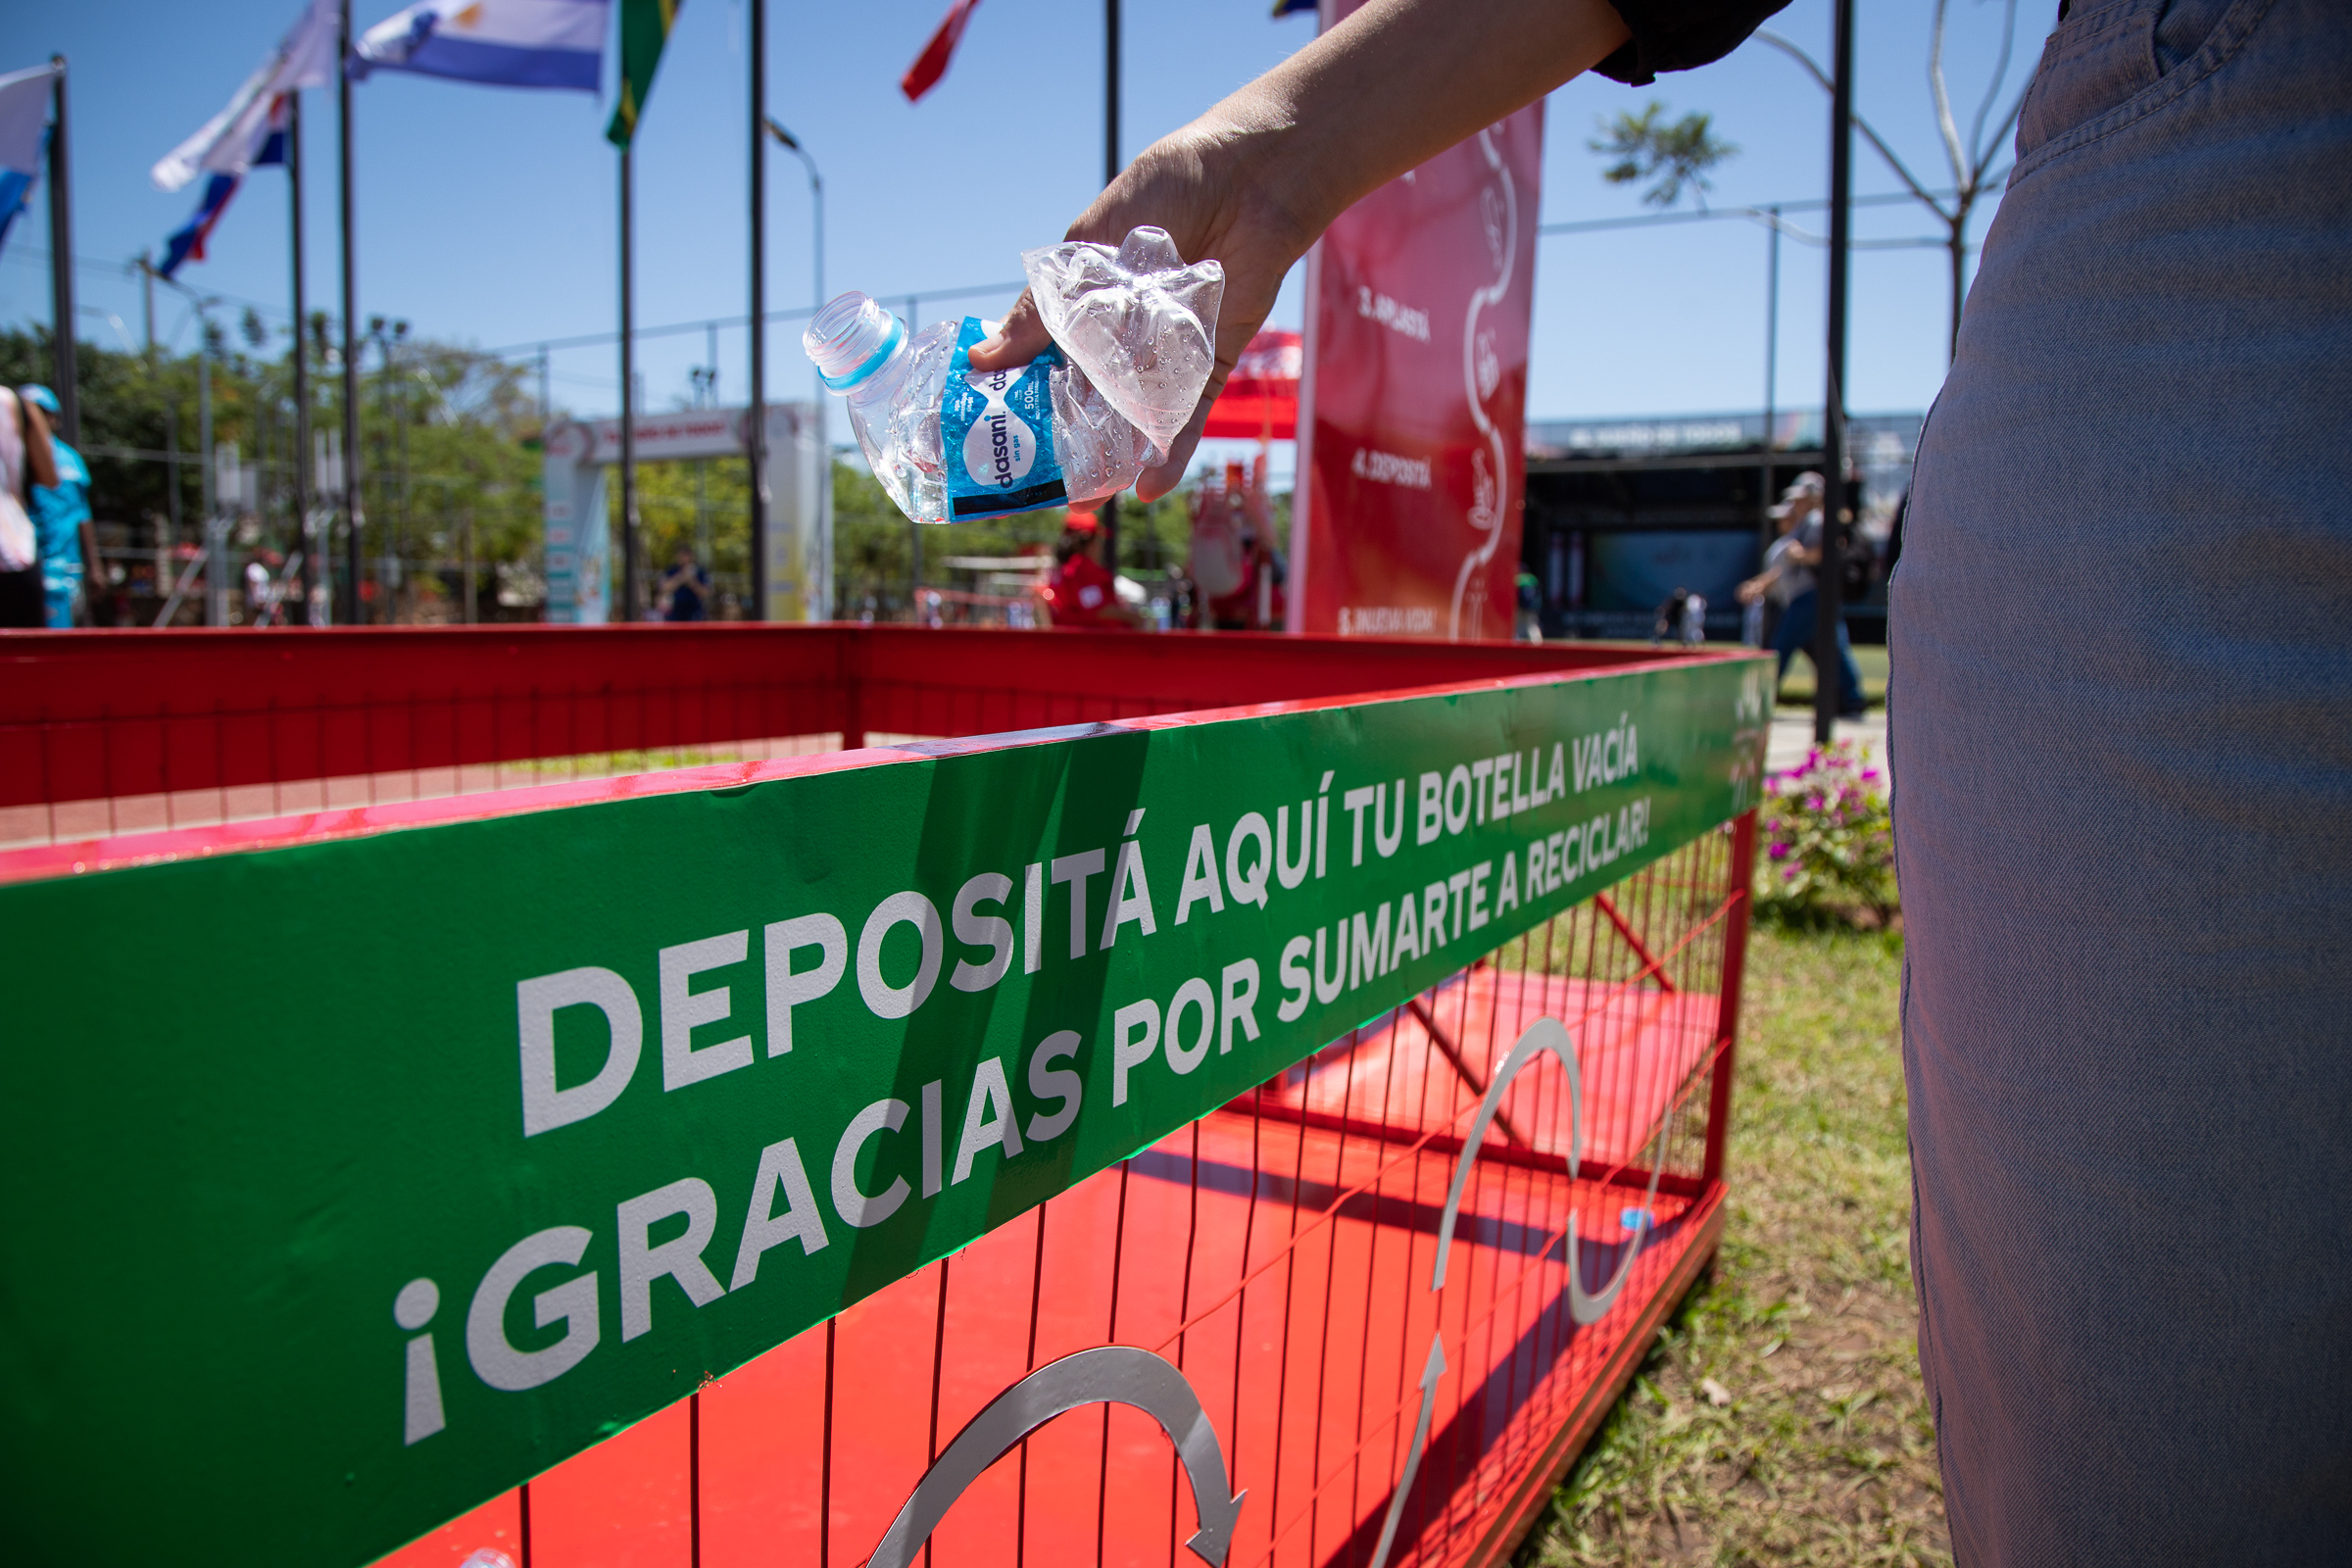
(1678, 34)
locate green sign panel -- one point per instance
(353, 1184)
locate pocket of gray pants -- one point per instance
(2099, 55)
(2103, 54)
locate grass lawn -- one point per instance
(1779, 1417)
(1797, 689)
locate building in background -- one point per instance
(1620, 513)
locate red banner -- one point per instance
(1412, 471)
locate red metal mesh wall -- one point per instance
(1279, 1253)
(109, 733)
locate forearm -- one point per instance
(1396, 83)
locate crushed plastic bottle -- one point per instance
(1134, 333)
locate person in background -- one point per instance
(28, 464)
(1787, 580)
(1233, 556)
(1082, 592)
(61, 517)
(1695, 619)
(1667, 621)
(685, 588)
(1530, 594)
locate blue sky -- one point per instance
(486, 215)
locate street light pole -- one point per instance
(1830, 576)
(754, 435)
(1111, 172)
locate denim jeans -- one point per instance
(1796, 632)
(2122, 630)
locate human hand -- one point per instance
(1193, 184)
(1253, 182)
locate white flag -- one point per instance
(24, 118)
(506, 43)
(231, 139)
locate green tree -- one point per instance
(1671, 154)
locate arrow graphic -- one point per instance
(1432, 1370)
(1110, 1374)
(1547, 1035)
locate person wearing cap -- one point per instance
(1082, 592)
(1788, 581)
(61, 518)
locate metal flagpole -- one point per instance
(61, 261)
(1830, 575)
(1111, 172)
(350, 347)
(755, 440)
(816, 593)
(1771, 370)
(310, 562)
(628, 410)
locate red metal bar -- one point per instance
(1735, 967)
(1452, 1053)
(93, 715)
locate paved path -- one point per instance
(1793, 736)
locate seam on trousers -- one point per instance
(2229, 36)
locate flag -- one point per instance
(25, 119)
(932, 62)
(15, 187)
(232, 141)
(503, 43)
(23, 137)
(644, 28)
(1293, 7)
(186, 243)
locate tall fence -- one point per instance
(1208, 1214)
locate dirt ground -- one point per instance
(1780, 1418)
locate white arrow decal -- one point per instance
(1549, 1035)
(1110, 1374)
(1431, 1371)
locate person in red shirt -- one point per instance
(1082, 591)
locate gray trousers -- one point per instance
(2121, 655)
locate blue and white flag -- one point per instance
(24, 118)
(186, 243)
(23, 137)
(233, 140)
(504, 43)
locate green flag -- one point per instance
(644, 28)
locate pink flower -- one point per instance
(1779, 851)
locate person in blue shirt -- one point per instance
(61, 518)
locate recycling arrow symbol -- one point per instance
(1110, 1374)
(1545, 1035)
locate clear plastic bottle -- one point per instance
(1134, 327)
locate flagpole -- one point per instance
(628, 412)
(308, 545)
(61, 261)
(755, 444)
(350, 347)
(1111, 172)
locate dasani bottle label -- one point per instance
(997, 434)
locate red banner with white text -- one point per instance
(1418, 305)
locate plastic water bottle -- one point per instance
(1134, 333)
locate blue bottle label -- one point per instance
(996, 432)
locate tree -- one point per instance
(1972, 160)
(1676, 153)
